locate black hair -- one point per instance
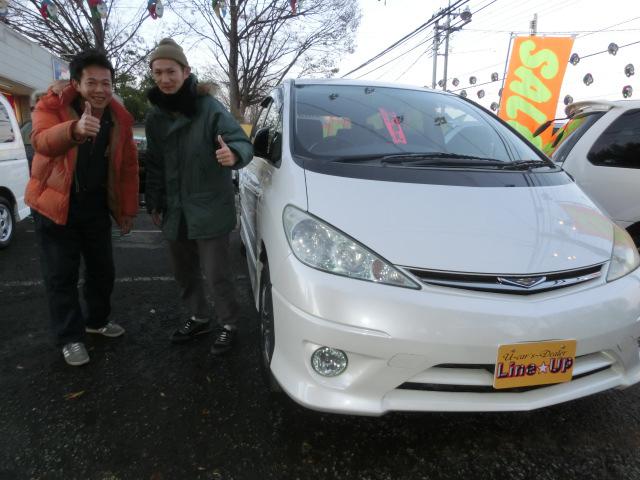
(86, 59)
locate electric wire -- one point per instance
(432, 20)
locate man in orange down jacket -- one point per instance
(85, 168)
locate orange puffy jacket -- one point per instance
(54, 161)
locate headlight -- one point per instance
(321, 246)
(624, 257)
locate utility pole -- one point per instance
(533, 25)
(436, 43)
(465, 16)
(446, 47)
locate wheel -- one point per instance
(267, 332)
(6, 223)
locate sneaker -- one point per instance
(111, 330)
(191, 329)
(75, 354)
(225, 339)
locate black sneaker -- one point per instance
(224, 341)
(190, 330)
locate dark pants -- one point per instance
(193, 259)
(87, 234)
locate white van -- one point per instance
(600, 148)
(409, 251)
(14, 174)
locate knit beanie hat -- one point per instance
(169, 49)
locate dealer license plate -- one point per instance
(534, 363)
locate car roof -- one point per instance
(362, 83)
(590, 106)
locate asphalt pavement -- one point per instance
(146, 409)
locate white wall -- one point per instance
(24, 62)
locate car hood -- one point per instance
(506, 230)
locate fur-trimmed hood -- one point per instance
(184, 100)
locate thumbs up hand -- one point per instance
(88, 125)
(224, 155)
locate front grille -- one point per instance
(512, 284)
(478, 378)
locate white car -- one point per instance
(408, 251)
(14, 174)
(600, 148)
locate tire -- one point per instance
(267, 335)
(7, 223)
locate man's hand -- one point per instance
(156, 218)
(88, 125)
(225, 156)
(126, 225)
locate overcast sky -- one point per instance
(480, 48)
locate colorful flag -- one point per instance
(532, 85)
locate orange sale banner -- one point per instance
(532, 85)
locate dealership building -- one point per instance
(25, 68)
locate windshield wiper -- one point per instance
(440, 158)
(527, 164)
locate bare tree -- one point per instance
(76, 27)
(257, 43)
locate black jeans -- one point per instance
(87, 234)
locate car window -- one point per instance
(273, 118)
(566, 137)
(6, 130)
(619, 144)
(261, 117)
(349, 121)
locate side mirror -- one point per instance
(261, 143)
(267, 144)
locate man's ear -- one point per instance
(75, 84)
(187, 71)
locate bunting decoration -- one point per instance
(48, 10)
(613, 48)
(627, 91)
(588, 79)
(4, 10)
(220, 7)
(98, 8)
(156, 8)
(568, 99)
(629, 70)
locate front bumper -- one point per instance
(432, 349)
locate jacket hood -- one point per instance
(184, 100)
(493, 230)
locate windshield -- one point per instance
(566, 137)
(338, 122)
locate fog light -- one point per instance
(329, 362)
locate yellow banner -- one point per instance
(532, 85)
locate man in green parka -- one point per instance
(193, 143)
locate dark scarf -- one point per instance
(183, 101)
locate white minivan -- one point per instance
(600, 148)
(14, 174)
(409, 251)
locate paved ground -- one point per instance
(145, 409)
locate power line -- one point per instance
(404, 39)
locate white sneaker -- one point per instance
(75, 354)
(111, 330)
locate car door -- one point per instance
(252, 179)
(606, 165)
